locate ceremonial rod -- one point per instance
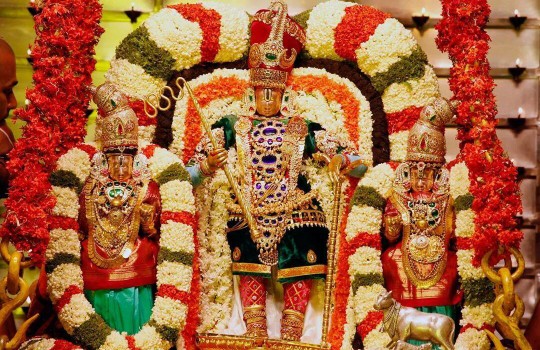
(226, 168)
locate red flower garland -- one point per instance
(492, 175)
(210, 22)
(67, 32)
(356, 27)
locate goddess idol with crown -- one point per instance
(289, 237)
(420, 266)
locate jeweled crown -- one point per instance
(426, 138)
(117, 126)
(276, 40)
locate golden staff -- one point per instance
(332, 239)
(228, 171)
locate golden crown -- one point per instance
(426, 139)
(117, 126)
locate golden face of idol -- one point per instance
(268, 101)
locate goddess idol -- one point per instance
(289, 235)
(119, 210)
(420, 266)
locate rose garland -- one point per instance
(67, 32)
(175, 307)
(487, 193)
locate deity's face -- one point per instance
(422, 179)
(120, 166)
(268, 101)
(8, 80)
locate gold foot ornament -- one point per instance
(292, 325)
(255, 317)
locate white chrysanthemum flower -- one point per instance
(389, 43)
(77, 161)
(169, 312)
(234, 32)
(414, 92)
(177, 196)
(321, 24)
(364, 261)
(176, 274)
(75, 313)
(477, 315)
(364, 299)
(63, 241)
(178, 36)
(363, 219)
(465, 223)
(67, 202)
(465, 267)
(381, 178)
(161, 160)
(459, 180)
(473, 339)
(146, 133)
(398, 145)
(376, 340)
(177, 237)
(132, 80)
(63, 276)
(115, 341)
(149, 339)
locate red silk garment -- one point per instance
(297, 295)
(139, 270)
(444, 292)
(252, 291)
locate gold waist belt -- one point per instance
(299, 218)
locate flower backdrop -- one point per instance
(380, 81)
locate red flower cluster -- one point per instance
(403, 120)
(67, 32)
(138, 108)
(358, 24)
(369, 323)
(493, 176)
(210, 22)
(64, 345)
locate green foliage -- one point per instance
(140, 50)
(65, 178)
(168, 333)
(59, 259)
(478, 291)
(175, 171)
(463, 202)
(368, 196)
(407, 68)
(180, 257)
(366, 281)
(92, 333)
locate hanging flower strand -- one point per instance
(67, 32)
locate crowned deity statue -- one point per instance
(420, 264)
(118, 219)
(287, 241)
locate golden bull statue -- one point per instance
(403, 323)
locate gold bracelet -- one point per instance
(205, 168)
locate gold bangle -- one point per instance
(205, 168)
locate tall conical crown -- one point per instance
(117, 127)
(426, 138)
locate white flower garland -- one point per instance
(167, 311)
(322, 22)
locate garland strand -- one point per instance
(67, 32)
(493, 176)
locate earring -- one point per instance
(249, 102)
(100, 167)
(141, 172)
(288, 103)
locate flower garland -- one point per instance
(359, 280)
(385, 51)
(175, 307)
(67, 32)
(48, 344)
(178, 37)
(486, 191)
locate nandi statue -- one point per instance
(403, 323)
